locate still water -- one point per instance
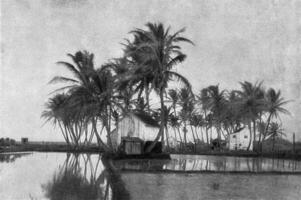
(86, 176)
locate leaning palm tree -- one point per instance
(92, 96)
(55, 112)
(156, 53)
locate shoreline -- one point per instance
(95, 150)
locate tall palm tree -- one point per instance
(156, 52)
(216, 103)
(186, 101)
(252, 105)
(203, 99)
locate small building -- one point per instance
(134, 133)
(24, 140)
(131, 145)
(239, 140)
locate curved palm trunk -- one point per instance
(99, 140)
(65, 134)
(161, 130)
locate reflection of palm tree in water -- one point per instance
(81, 177)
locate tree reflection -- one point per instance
(9, 158)
(83, 177)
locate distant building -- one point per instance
(240, 140)
(24, 140)
(134, 133)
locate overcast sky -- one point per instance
(239, 40)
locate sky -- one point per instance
(235, 40)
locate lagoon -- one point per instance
(84, 176)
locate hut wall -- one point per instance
(240, 140)
(131, 147)
(132, 126)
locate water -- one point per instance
(85, 176)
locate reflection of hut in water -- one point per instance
(134, 133)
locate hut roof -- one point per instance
(147, 119)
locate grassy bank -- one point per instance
(50, 148)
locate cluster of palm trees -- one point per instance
(94, 99)
(226, 112)
(98, 97)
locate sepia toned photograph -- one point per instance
(150, 100)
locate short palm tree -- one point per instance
(275, 130)
(274, 106)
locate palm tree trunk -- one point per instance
(207, 136)
(196, 133)
(146, 95)
(99, 140)
(181, 140)
(175, 132)
(254, 134)
(185, 134)
(167, 139)
(64, 134)
(161, 130)
(265, 130)
(194, 140)
(250, 131)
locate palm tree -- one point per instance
(275, 131)
(274, 106)
(203, 100)
(252, 105)
(187, 107)
(232, 116)
(194, 122)
(216, 104)
(55, 112)
(174, 122)
(93, 96)
(156, 52)
(174, 97)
